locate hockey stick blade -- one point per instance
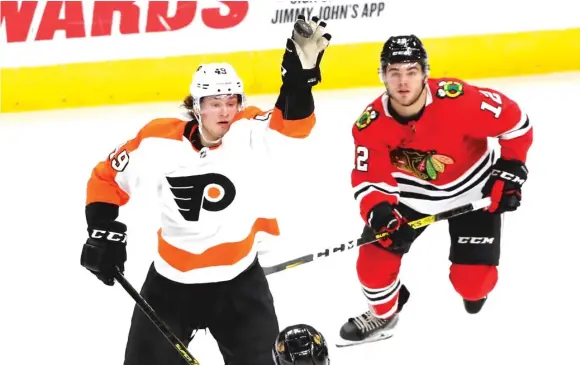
(161, 326)
(425, 221)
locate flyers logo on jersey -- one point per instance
(449, 89)
(366, 118)
(211, 192)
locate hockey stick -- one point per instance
(161, 326)
(425, 221)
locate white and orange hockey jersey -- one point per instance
(214, 205)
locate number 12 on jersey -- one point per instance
(496, 110)
(362, 155)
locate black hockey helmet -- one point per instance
(404, 49)
(300, 344)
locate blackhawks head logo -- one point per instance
(424, 165)
(366, 118)
(449, 89)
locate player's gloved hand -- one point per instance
(301, 60)
(104, 249)
(504, 185)
(386, 218)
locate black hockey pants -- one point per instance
(239, 314)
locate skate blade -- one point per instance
(379, 337)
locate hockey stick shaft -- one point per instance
(161, 326)
(419, 223)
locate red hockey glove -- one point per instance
(504, 185)
(386, 218)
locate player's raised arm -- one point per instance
(293, 115)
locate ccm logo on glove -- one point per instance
(504, 185)
(109, 236)
(504, 175)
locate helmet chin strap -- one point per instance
(204, 137)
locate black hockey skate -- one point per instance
(474, 306)
(367, 328)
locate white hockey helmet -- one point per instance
(214, 79)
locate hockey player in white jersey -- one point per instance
(209, 174)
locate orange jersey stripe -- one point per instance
(220, 255)
(292, 128)
(102, 186)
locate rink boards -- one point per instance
(72, 54)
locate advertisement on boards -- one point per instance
(83, 31)
(38, 33)
(30, 21)
(288, 11)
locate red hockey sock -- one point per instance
(378, 272)
(473, 282)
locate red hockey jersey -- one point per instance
(443, 159)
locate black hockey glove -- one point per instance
(386, 218)
(104, 249)
(304, 51)
(504, 185)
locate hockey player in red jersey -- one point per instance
(209, 172)
(422, 148)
